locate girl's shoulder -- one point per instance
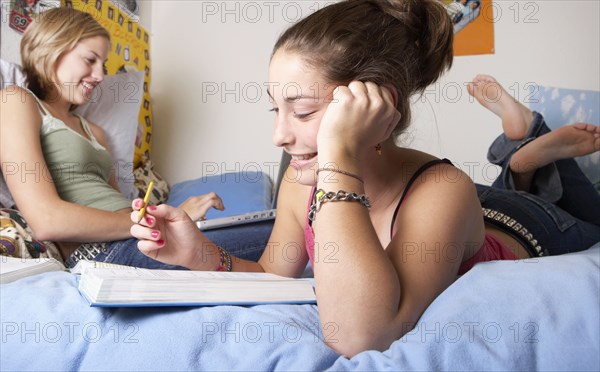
(20, 103)
(431, 175)
(411, 162)
(436, 195)
(14, 94)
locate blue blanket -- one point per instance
(538, 314)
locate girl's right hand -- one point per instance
(360, 116)
(167, 234)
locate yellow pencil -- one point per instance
(146, 198)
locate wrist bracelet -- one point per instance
(224, 260)
(321, 197)
(334, 170)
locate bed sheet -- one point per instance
(538, 314)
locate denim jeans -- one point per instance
(562, 208)
(244, 241)
(125, 252)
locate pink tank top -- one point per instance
(491, 249)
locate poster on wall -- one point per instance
(23, 12)
(473, 26)
(130, 50)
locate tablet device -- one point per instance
(239, 219)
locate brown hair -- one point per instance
(53, 33)
(405, 43)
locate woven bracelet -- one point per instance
(224, 260)
(340, 172)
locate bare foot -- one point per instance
(516, 118)
(565, 142)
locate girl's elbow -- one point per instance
(351, 345)
(44, 232)
(48, 222)
(347, 349)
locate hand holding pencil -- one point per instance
(169, 234)
(194, 206)
(142, 211)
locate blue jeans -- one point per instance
(562, 208)
(125, 252)
(244, 241)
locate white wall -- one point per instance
(196, 44)
(221, 47)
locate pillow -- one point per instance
(241, 192)
(114, 107)
(10, 74)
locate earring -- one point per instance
(378, 148)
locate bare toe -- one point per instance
(566, 142)
(516, 118)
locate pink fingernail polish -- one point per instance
(151, 208)
(160, 242)
(150, 220)
(155, 234)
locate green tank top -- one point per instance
(80, 167)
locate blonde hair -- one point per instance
(53, 33)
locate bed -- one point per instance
(538, 314)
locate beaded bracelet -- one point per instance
(224, 260)
(340, 172)
(321, 196)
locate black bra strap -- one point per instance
(414, 177)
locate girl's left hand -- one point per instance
(359, 117)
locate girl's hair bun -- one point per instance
(433, 34)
